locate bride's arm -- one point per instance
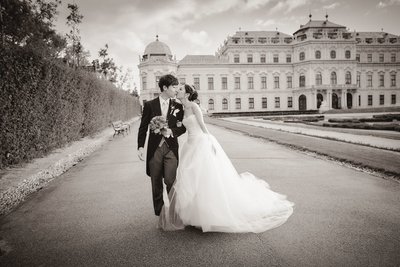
(199, 116)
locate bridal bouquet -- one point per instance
(157, 124)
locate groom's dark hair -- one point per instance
(167, 80)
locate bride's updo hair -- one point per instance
(192, 92)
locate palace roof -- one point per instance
(260, 34)
(201, 59)
(157, 48)
(319, 24)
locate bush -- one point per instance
(45, 104)
(337, 120)
(387, 117)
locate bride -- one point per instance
(209, 193)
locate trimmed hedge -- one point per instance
(365, 126)
(45, 104)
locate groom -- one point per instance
(162, 149)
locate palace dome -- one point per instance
(157, 48)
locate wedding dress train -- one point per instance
(209, 193)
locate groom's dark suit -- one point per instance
(160, 163)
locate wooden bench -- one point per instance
(120, 128)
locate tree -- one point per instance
(105, 65)
(124, 78)
(29, 24)
(75, 51)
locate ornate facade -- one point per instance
(320, 66)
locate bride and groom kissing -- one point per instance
(204, 189)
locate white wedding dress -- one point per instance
(209, 193)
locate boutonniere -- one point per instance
(174, 110)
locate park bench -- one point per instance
(120, 128)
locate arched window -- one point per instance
(318, 78)
(348, 77)
(347, 54)
(333, 54)
(302, 56)
(318, 54)
(333, 78)
(210, 104)
(302, 80)
(224, 103)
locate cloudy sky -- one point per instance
(200, 26)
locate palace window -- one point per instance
(333, 78)
(224, 104)
(302, 56)
(369, 80)
(359, 100)
(277, 102)
(358, 57)
(369, 58)
(236, 58)
(381, 99)
(196, 81)
(264, 102)
(318, 54)
(237, 82)
(211, 104)
(251, 103)
(289, 81)
(393, 57)
(381, 80)
(249, 58)
(276, 58)
(333, 54)
(358, 80)
(347, 54)
(144, 83)
(262, 40)
(288, 58)
(302, 81)
(238, 103)
(381, 58)
(263, 58)
(224, 81)
(290, 102)
(348, 77)
(263, 82)
(210, 83)
(250, 83)
(369, 100)
(393, 79)
(393, 99)
(276, 82)
(318, 79)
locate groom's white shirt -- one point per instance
(164, 110)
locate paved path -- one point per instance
(100, 214)
(375, 159)
(325, 132)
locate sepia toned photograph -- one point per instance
(200, 133)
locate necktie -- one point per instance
(164, 108)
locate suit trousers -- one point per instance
(162, 165)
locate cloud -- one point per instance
(265, 23)
(250, 5)
(200, 38)
(386, 3)
(331, 6)
(288, 5)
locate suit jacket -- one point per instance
(152, 109)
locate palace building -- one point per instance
(321, 66)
